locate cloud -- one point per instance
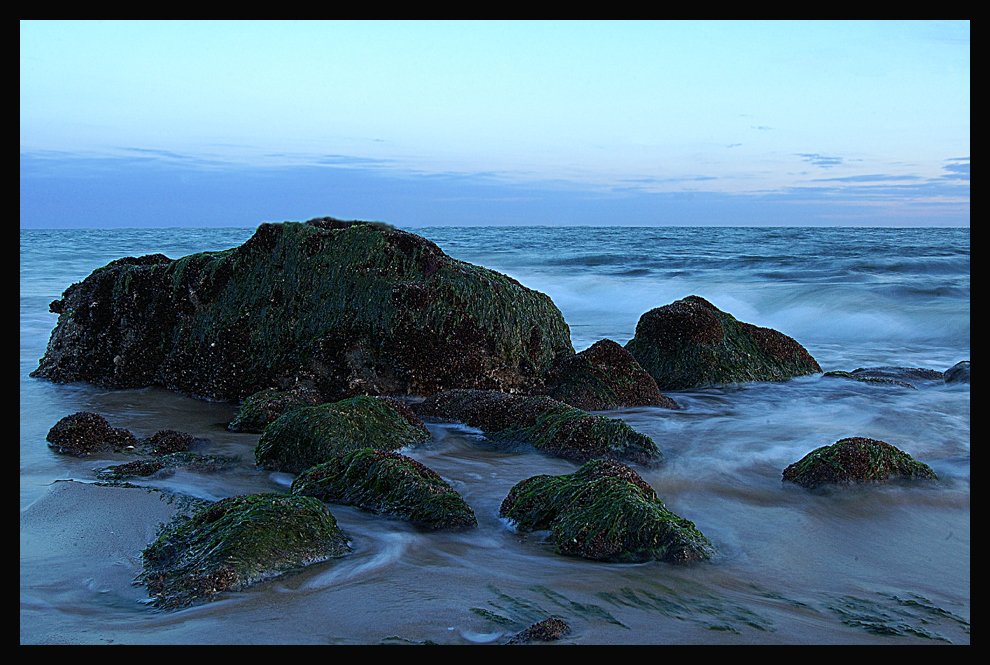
(824, 161)
(872, 177)
(958, 169)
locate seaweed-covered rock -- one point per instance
(607, 512)
(551, 426)
(905, 377)
(347, 307)
(387, 483)
(311, 435)
(237, 542)
(166, 465)
(865, 378)
(691, 343)
(550, 629)
(855, 460)
(85, 433)
(263, 407)
(604, 376)
(166, 441)
(958, 373)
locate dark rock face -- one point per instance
(549, 425)
(387, 483)
(855, 460)
(550, 629)
(85, 433)
(691, 343)
(237, 542)
(311, 435)
(604, 376)
(347, 307)
(164, 465)
(167, 441)
(263, 407)
(958, 373)
(606, 512)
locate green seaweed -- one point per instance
(494, 617)
(899, 620)
(236, 542)
(387, 483)
(604, 512)
(308, 436)
(586, 610)
(855, 460)
(260, 409)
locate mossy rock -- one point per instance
(553, 427)
(237, 542)
(605, 511)
(604, 376)
(311, 435)
(166, 465)
(347, 307)
(387, 483)
(855, 460)
(691, 344)
(263, 407)
(84, 433)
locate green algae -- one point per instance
(604, 512)
(308, 436)
(236, 542)
(855, 460)
(259, 409)
(691, 343)
(390, 484)
(550, 426)
(167, 463)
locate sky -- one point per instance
(739, 123)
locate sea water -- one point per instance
(869, 565)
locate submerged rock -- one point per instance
(387, 483)
(166, 464)
(906, 377)
(839, 374)
(958, 373)
(311, 435)
(605, 511)
(263, 407)
(855, 460)
(691, 343)
(166, 441)
(604, 376)
(237, 542)
(348, 307)
(550, 629)
(85, 433)
(551, 426)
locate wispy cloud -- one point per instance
(958, 169)
(824, 161)
(872, 177)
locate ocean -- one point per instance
(865, 565)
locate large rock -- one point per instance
(237, 542)
(387, 483)
(691, 343)
(855, 460)
(349, 307)
(263, 407)
(604, 376)
(958, 373)
(605, 511)
(551, 426)
(85, 433)
(311, 435)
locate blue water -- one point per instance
(878, 566)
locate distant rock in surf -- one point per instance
(390, 484)
(550, 426)
(958, 373)
(85, 433)
(263, 407)
(691, 344)
(905, 377)
(604, 376)
(348, 307)
(855, 460)
(604, 511)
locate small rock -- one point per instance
(855, 460)
(550, 629)
(166, 441)
(85, 433)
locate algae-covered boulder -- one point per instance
(550, 629)
(162, 465)
(551, 426)
(166, 441)
(607, 512)
(855, 460)
(958, 373)
(263, 407)
(604, 376)
(85, 433)
(691, 343)
(311, 435)
(347, 307)
(390, 484)
(237, 542)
